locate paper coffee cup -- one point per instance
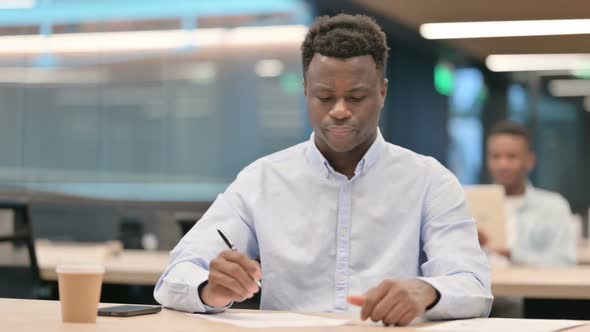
(79, 291)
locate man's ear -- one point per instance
(383, 91)
(531, 161)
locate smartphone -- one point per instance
(129, 310)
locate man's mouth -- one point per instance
(340, 131)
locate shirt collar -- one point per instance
(320, 164)
(528, 192)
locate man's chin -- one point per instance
(506, 183)
(341, 148)
(339, 144)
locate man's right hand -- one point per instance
(232, 278)
(483, 238)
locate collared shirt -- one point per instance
(512, 205)
(544, 233)
(321, 236)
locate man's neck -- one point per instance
(346, 162)
(516, 190)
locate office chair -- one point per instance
(185, 225)
(23, 235)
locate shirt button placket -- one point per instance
(342, 247)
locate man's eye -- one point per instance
(325, 99)
(356, 99)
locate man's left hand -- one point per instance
(505, 252)
(396, 301)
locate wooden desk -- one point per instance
(35, 315)
(584, 255)
(565, 283)
(135, 267)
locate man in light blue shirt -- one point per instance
(342, 221)
(539, 231)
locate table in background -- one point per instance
(558, 283)
(548, 293)
(132, 267)
(554, 293)
(143, 267)
(584, 254)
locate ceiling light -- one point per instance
(269, 68)
(537, 62)
(149, 40)
(581, 73)
(17, 4)
(454, 30)
(569, 88)
(266, 35)
(108, 41)
(49, 76)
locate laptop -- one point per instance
(486, 203)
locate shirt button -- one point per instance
(344, 232)
(342, 277)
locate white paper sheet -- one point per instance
(261, 320)
(503, 324)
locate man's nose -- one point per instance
(340, 111)
(503, 163)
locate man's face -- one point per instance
(509, 159)
(344, 100)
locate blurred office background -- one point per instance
(124, 119)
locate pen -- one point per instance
(232, 248)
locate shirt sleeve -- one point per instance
(455, 264)
(188, 268)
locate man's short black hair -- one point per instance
(512, 128)
(345, 36)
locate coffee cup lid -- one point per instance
(80, 268)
